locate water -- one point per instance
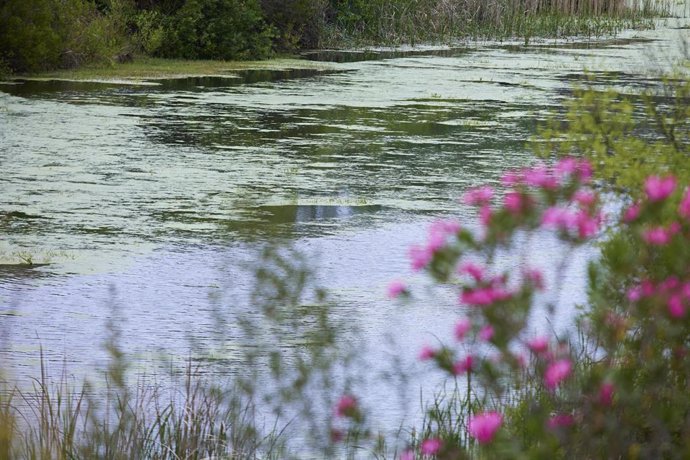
(153, 197)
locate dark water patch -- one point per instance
(128, 93)
(241, 77)
(309, 213)
(349, 56)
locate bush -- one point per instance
(28, 39)
(45, 34)
(299, 23)
(218, 29)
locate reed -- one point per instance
(194, 421)
(412, 21)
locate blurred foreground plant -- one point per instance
(626, 397)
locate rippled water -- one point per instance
(152, 196)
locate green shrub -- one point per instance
(45, 34)
(218, 29)
(299, 23)
(28, 39)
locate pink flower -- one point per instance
(478, 196)
(420, 257)
(483, 426)
(676, 308)
(584, 197)
(584, 171)
(539, 177)
(538, 345)
(444, 228)
(560, 421)
(485, 214)
(658, 188)
(684, 207)
(396, 288)
(669, 284)
(634, 293)
(510, 179)
(632, 213)
(513, 202)
(347, 406)
(606, 393)
(462, 327)
(565, 167)
(463, 365)
(587, 226)
(407, 455)
(430, 446)
(486, 295)
(477, 297)
(427, 353)
(472, 269)
(686, 290)
(559, 218)
(658, 236)
(557, 372)
(536, 278)
(486, 333)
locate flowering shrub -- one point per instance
(622, 391)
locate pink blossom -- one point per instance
(606, 393)
(559, 218)
(669, 284)
(427, 353)
(396, 288)
(584, 171)
(485, 214)
(565, 167)
(676, 308)
(486, 333)
(445, 227)
(438, 234)
(513, 202)
(658, 188)
(587, 226)
(510, 179)
(463, 365)
(560, 421)
(658, 236)
(462, 327)
(472, 269)
(483, 426)
(684, 207)
(584, 197)
(538, 345)
(484, 296)
(430, 446)
(634, 293)
(536, 278)
(686, 290)
(647, 288)
(420, 257)
(347, 405)
(407, 455)
(557, 372)
(478, 196)
(632, 213)
(539, 177)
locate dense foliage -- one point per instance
(45, 34)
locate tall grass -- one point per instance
(412, 21)
(55, 421)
